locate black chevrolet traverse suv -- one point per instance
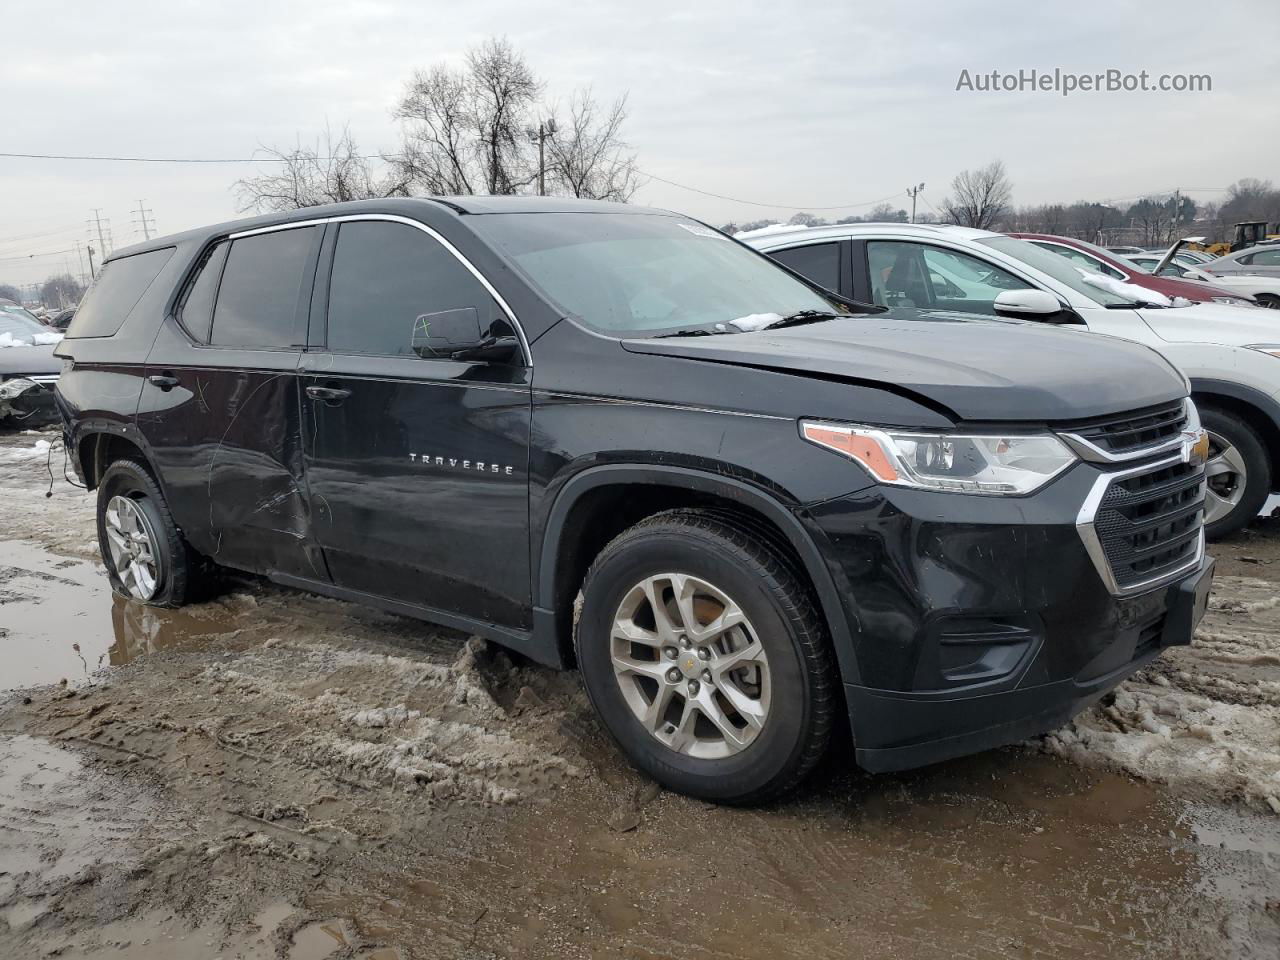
(775, 509)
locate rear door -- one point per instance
(416, 462)
(220, 406)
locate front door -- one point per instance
(416, 463)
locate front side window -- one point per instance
(820, 262)
(394, 289)
(260, 293)
(907, 274)
(1060, 270)
(1080, 259)
(643, 274)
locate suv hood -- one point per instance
(1214, 323)
(19, 361)
(976, 368)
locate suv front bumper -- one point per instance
(981, 621)
(911, 729)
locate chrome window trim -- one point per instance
(1093, 453)
(409, 222)
(1093, 545)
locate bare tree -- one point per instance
(587, 157)
(979, 197)
(328, 172)
(806, 220)
(9, 292)
(61, 291)
(438, 151)
(504, 90)
(464, 129)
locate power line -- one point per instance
(776, 206)
(214, 160)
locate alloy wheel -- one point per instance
(690, 666)
(132, 543)
(1225, 478)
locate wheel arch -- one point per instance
(1254, 407)
(100, 445)
(595, 505)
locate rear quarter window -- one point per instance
(119, 287)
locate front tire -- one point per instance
(704, 656)
(146, 558)
(1237, 474)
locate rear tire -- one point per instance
(1238, 473)
(147, 559)
(735, 714)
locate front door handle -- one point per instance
(165, 382)
(328, 394)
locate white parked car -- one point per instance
(1231, 355)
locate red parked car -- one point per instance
(1090, 257)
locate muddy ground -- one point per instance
(273, 775)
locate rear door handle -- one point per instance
(165, 382)
(328, 394)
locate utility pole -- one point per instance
(96, 220)
(914, 192)
(146, 220)
(538, 135)
(92, 274)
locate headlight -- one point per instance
(1271, 348)
(15, 387)
(1232, 301)
(992, 464)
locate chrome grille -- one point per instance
(1132, 435)
(46, 378)
(1145, 526)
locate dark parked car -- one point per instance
(954, 531)
(28, 368)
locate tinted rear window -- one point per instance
(119, 287)
(820, 262)
(196, 311)
(262, 283)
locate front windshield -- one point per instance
(1061, 269)
(16, 324)
(643, 274)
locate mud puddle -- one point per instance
(59, 620)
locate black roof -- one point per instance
(405, 206)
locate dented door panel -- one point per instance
(224, 428)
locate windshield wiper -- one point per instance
(801, 317)
(693, 332)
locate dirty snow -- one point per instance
(1205, 718)
(755, 321)
(7, 339)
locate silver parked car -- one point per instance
(1262, 260)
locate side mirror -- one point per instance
(1027, 301)
(438, 336)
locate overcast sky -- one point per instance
(802, 103)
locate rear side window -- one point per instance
(820, 262)
(261, 290)
(390, 278)
(196, 310)
(119, 287)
